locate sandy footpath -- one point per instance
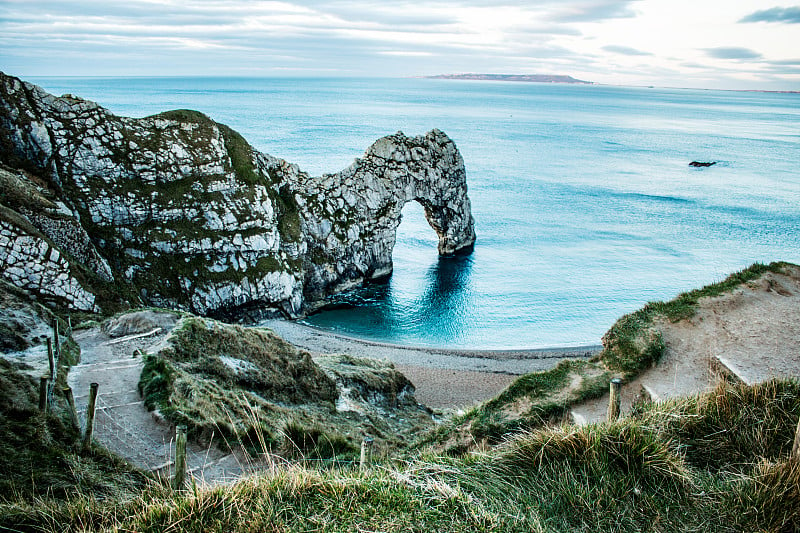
(443, 378)
(752, 332)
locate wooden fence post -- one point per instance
(53, 370)
(180, 457)
(43, 384)
(51, 358)
(614, 399)
(796, 445)
(56, 339)
(87, 436)
(73, 413)
(366, 454)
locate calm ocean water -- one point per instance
(584, 202)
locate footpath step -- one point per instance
(721, 366)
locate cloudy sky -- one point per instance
(741, 44)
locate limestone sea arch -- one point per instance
(177, 210)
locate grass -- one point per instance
(634, 343)
(713, 462)
(377, 381)
(731, 429)
(636, 474)
(533, 400)
(248, 386)
(269, 366)
(40, 454)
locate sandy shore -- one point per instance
(444, 378)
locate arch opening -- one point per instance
(414, 232)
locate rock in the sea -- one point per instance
(184, 212)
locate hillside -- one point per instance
(717, 460)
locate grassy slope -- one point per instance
(634, 344)
(531, 401)
(650, 472)
(278, 400)
(715, 462)
(40, 455)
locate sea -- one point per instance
(584, 202)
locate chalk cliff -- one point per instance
(179, 211)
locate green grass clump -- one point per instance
(271, 367)
(634, 342)
(531, 401)
(373, 380)
(732, 428)
(247, 386)
(211, 411)
(185, 115)
(768, 499)
(314, 442)
(605, 477)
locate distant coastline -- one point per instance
(530, 78)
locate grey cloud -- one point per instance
(594, 11)
(786, 15)
(789, 62)
(625, 50)
(732, 52)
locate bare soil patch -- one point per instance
(751, 334)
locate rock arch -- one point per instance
(353, 229)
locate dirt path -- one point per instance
(122, 424)
(752, 334)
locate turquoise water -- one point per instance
(584, 202)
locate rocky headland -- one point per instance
(101, 212)
(530, 78)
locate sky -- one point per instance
(725, 44)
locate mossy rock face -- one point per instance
(188, 215)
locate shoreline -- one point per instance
(505, 361)
(443, 378)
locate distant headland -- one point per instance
(531, 78)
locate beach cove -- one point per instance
(454, 378)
